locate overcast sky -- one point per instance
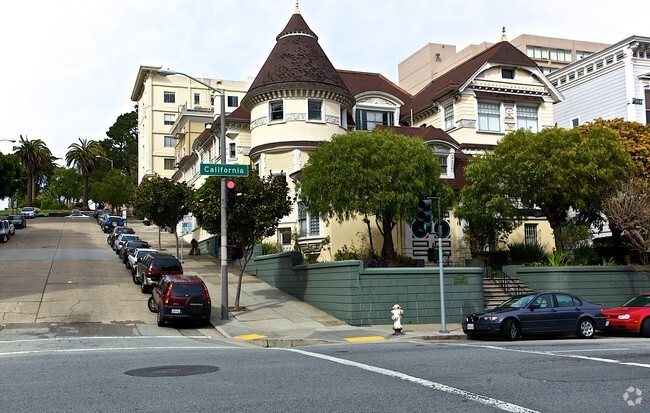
(68, 67)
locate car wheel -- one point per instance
(586, 329)
(194, 305)
(136, 280)
(133, 271)
(144, 288)
(472, 336)
(4, 238)
(127, 265)
(160, 320)
(510, 330)
(152, 305)
(645, 328)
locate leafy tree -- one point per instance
(122, 144)
(162, 201)
(66, 183)
(85, 156)
(379, 173)
(634, 135)
(558, 170)
(490, 217)
(113, 187)
(260, 205)
(35, 156)
(629, 210)
(10, 174)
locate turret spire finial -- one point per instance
(297, 11)
(503, 34)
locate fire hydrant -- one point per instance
(396, 315)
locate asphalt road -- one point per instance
(76, 337)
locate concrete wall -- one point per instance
(365, 296)
(609, 286)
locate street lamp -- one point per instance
(223, 251)
(109, 160)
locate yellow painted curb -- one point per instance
(367, 338)
(250, 337)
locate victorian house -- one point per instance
(299, 99)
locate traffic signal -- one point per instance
(231, 195)
(423, 224)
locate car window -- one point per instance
(517, 302)
(564, 300)
(187, 290)
(639, 301)
(166, 265)
(544, 301)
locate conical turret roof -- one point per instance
(297, 63)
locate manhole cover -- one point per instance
(172, 371)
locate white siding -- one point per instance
(602, 97)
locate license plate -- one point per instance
(176, 310)
(470, 326)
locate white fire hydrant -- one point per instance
(396, 315)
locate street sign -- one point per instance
(216, 169)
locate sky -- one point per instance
(68, 67)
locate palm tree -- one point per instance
(34, 155)
(85, 156)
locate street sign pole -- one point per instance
(224, 226)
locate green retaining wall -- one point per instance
(609, 286)
(361, 296)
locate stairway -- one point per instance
(494, 295)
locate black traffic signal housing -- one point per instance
(231, 195)
(423, 224)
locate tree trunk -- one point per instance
(85, 204)
(367, 221)
(30, 199)
(388, 249)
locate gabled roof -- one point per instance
(297, 62)
(430, 135)
(452, 81)
(364, 82)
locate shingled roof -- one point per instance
(297, 62)
(502, 52)
(360, 82)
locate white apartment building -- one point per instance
(613, 83)
(169, 109)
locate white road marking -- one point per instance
(489, 401)
(96, 350)
(554, 354)
(59, 339)
(590, 350)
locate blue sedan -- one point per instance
(543, 313)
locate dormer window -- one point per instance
(276, 109)
(368, 119)
(445, 156)
(508, 73)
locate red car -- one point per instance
(633, 316)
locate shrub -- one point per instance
(269, 248)
(523, 253)
(557, 258)
(585, 255)
(404, 261)
(347, 253)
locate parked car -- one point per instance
(5, 230)
(112, 221)
(28, 212)
(100, 215)
(117, 231)
(180, 298)
(544, 313)
(136, 256)
(122, 239)
(632, 317)
(129, 246)
(19, 221)
(152, 267)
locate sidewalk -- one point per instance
(271, 318)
